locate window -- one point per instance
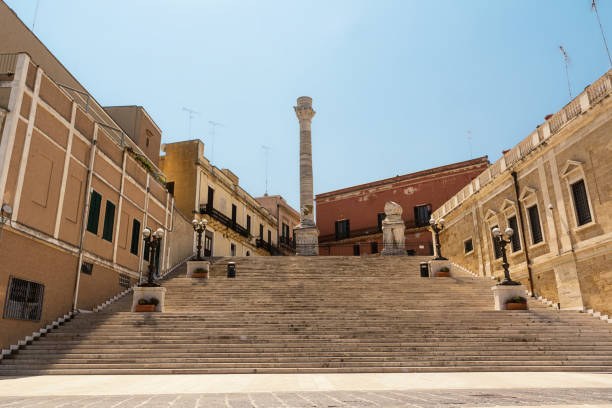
(581, 203)
(261, 231)
(135, 236)
(496, 247)
(124, 280)
(374, 247)
(147, 141)
(343, 229)
(381, 217)
(248, 228)
(269, 237)
(109, 222)
(87, 268)
(285, 230)
(534, 223)
(516, 238)
(356, 250)
(468, 246)
(233, 249)
(422, 214)
(24, 300)
(94, 212)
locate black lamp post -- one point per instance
(436, 227)
(152, 241)
(199, 227)
(502, 240)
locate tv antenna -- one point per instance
(35, 15)
(469, 138)
(594, 8)
(566, 59)
(213, 127)
(267, 154)
(190, 115)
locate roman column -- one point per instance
(306, 233)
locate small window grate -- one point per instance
(124, 281)
(87, 268)
(581, 202)
(24, 300)
(534, 222)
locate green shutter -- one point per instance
(135, 237)
(94, 212)
(109, 221)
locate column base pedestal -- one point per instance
(306, 241)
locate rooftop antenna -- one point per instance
(469, 138)
(594, 8)
(190, 114)
(35, 15)
(567, 61)
(266, 152)
(213, 126)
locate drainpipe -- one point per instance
(520, 211)
(85, 214)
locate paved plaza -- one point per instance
(310, 390)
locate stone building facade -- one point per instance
(238, 225)
(287, 218)
(76, 191)
(554, 190)
(350, 219)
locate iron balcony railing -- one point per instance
(410, 224)
(223, 219)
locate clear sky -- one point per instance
(396, 85)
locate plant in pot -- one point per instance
(444, 272)
(200, 273)
(145, 305)
(516, 303)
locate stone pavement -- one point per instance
(498, 389)
(565, 397)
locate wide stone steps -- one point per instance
(317, 315)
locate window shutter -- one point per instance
(581, 202)
(94, 212)
(109, 222)
(516, 240)
(534, 221)
(135, 236)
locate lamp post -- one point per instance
(199, 227)
(152, 241)
(436, 227)
(502, 240)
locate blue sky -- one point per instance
(396, 84)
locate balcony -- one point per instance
(410, 224)
(223, 219)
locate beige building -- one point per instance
(554, 189)
(76, 191)
(287, 219)
(238, 225)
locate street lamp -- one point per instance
(152, 241)
(436, 227)
(502, 240)
(199, 227)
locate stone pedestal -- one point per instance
(436, 264)
(393, 229)
(193, 265)
(306, 240)
(148, 292)
(501, 294)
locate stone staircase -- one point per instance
(320, 314)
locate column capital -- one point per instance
(304, 110)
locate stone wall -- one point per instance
(536, 182)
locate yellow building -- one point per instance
(554, 190)
(237, 224)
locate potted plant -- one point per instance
(200, 273)
(444, 272)
(516, 303)
(145, 305)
